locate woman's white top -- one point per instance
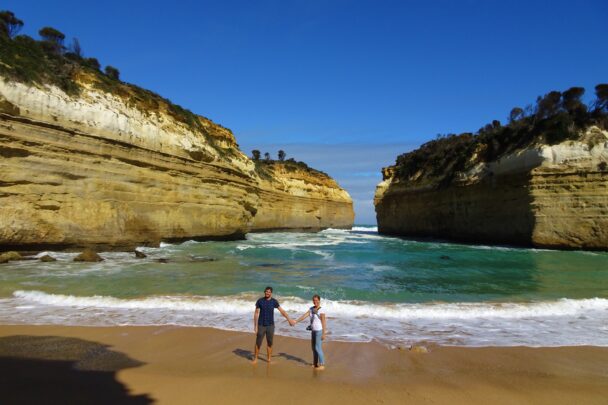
(316, 319)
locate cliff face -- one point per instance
(546, 196)
(298, 198)
(97, 169)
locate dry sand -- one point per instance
(177, 365)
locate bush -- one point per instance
(112, 72)
(557, 117)
(92, 63)
(601, 92)
(50, 34)
(9, 24)
(47, 61)
(264, 167)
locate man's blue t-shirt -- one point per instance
(266, 311)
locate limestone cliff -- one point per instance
(116, 169)
(540, 195)
(300, 198)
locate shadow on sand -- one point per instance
(248, 354)
(294, 358)
(60, 370)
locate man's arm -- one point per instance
(256, 315)
(282, 311)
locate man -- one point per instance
(263, 322)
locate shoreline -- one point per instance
(139, 364)
(32, 249)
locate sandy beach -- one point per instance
(177, 365)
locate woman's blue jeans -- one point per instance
(317, 348)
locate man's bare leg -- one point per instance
(256, 352)
(269, 352)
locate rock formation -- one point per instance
(88, 256)
(47, 259)
(9, 256)
(541, 195)
(116, 169)
(294, 197)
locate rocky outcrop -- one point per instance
(47, 259)
(9, 256)
(89, 256)
(97, 169)
(301, 199)
(545, 196)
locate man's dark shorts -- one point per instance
(264, 330)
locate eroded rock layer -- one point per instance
(300, 199)
(96, 170)
(545, 196)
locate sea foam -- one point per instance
(579, 321)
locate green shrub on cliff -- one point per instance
(112, 72)
(27, 60)
(601, 92)
(265, 167)
(48, 62)
(52, 39)
(556, 117)
(9, 24)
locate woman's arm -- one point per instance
(324, 323)
(306, 314)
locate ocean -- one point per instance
(373, 288)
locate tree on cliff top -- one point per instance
(601, 92)
(112, 72)
(282, 155)
(516, 114)
(75, 48)
(52, 35)
(548, 105)
(93, 63)
(9, 24)
(255, 154)
(557, 117)
(267, 156)
(52, 39)
(571, 99)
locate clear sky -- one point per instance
(345, 86)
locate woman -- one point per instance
(318, 328)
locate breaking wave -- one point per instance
(579, 321)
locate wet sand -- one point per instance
(177, 365)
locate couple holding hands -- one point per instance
(263, 324)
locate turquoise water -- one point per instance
(376, 288)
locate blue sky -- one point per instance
(345, 86)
